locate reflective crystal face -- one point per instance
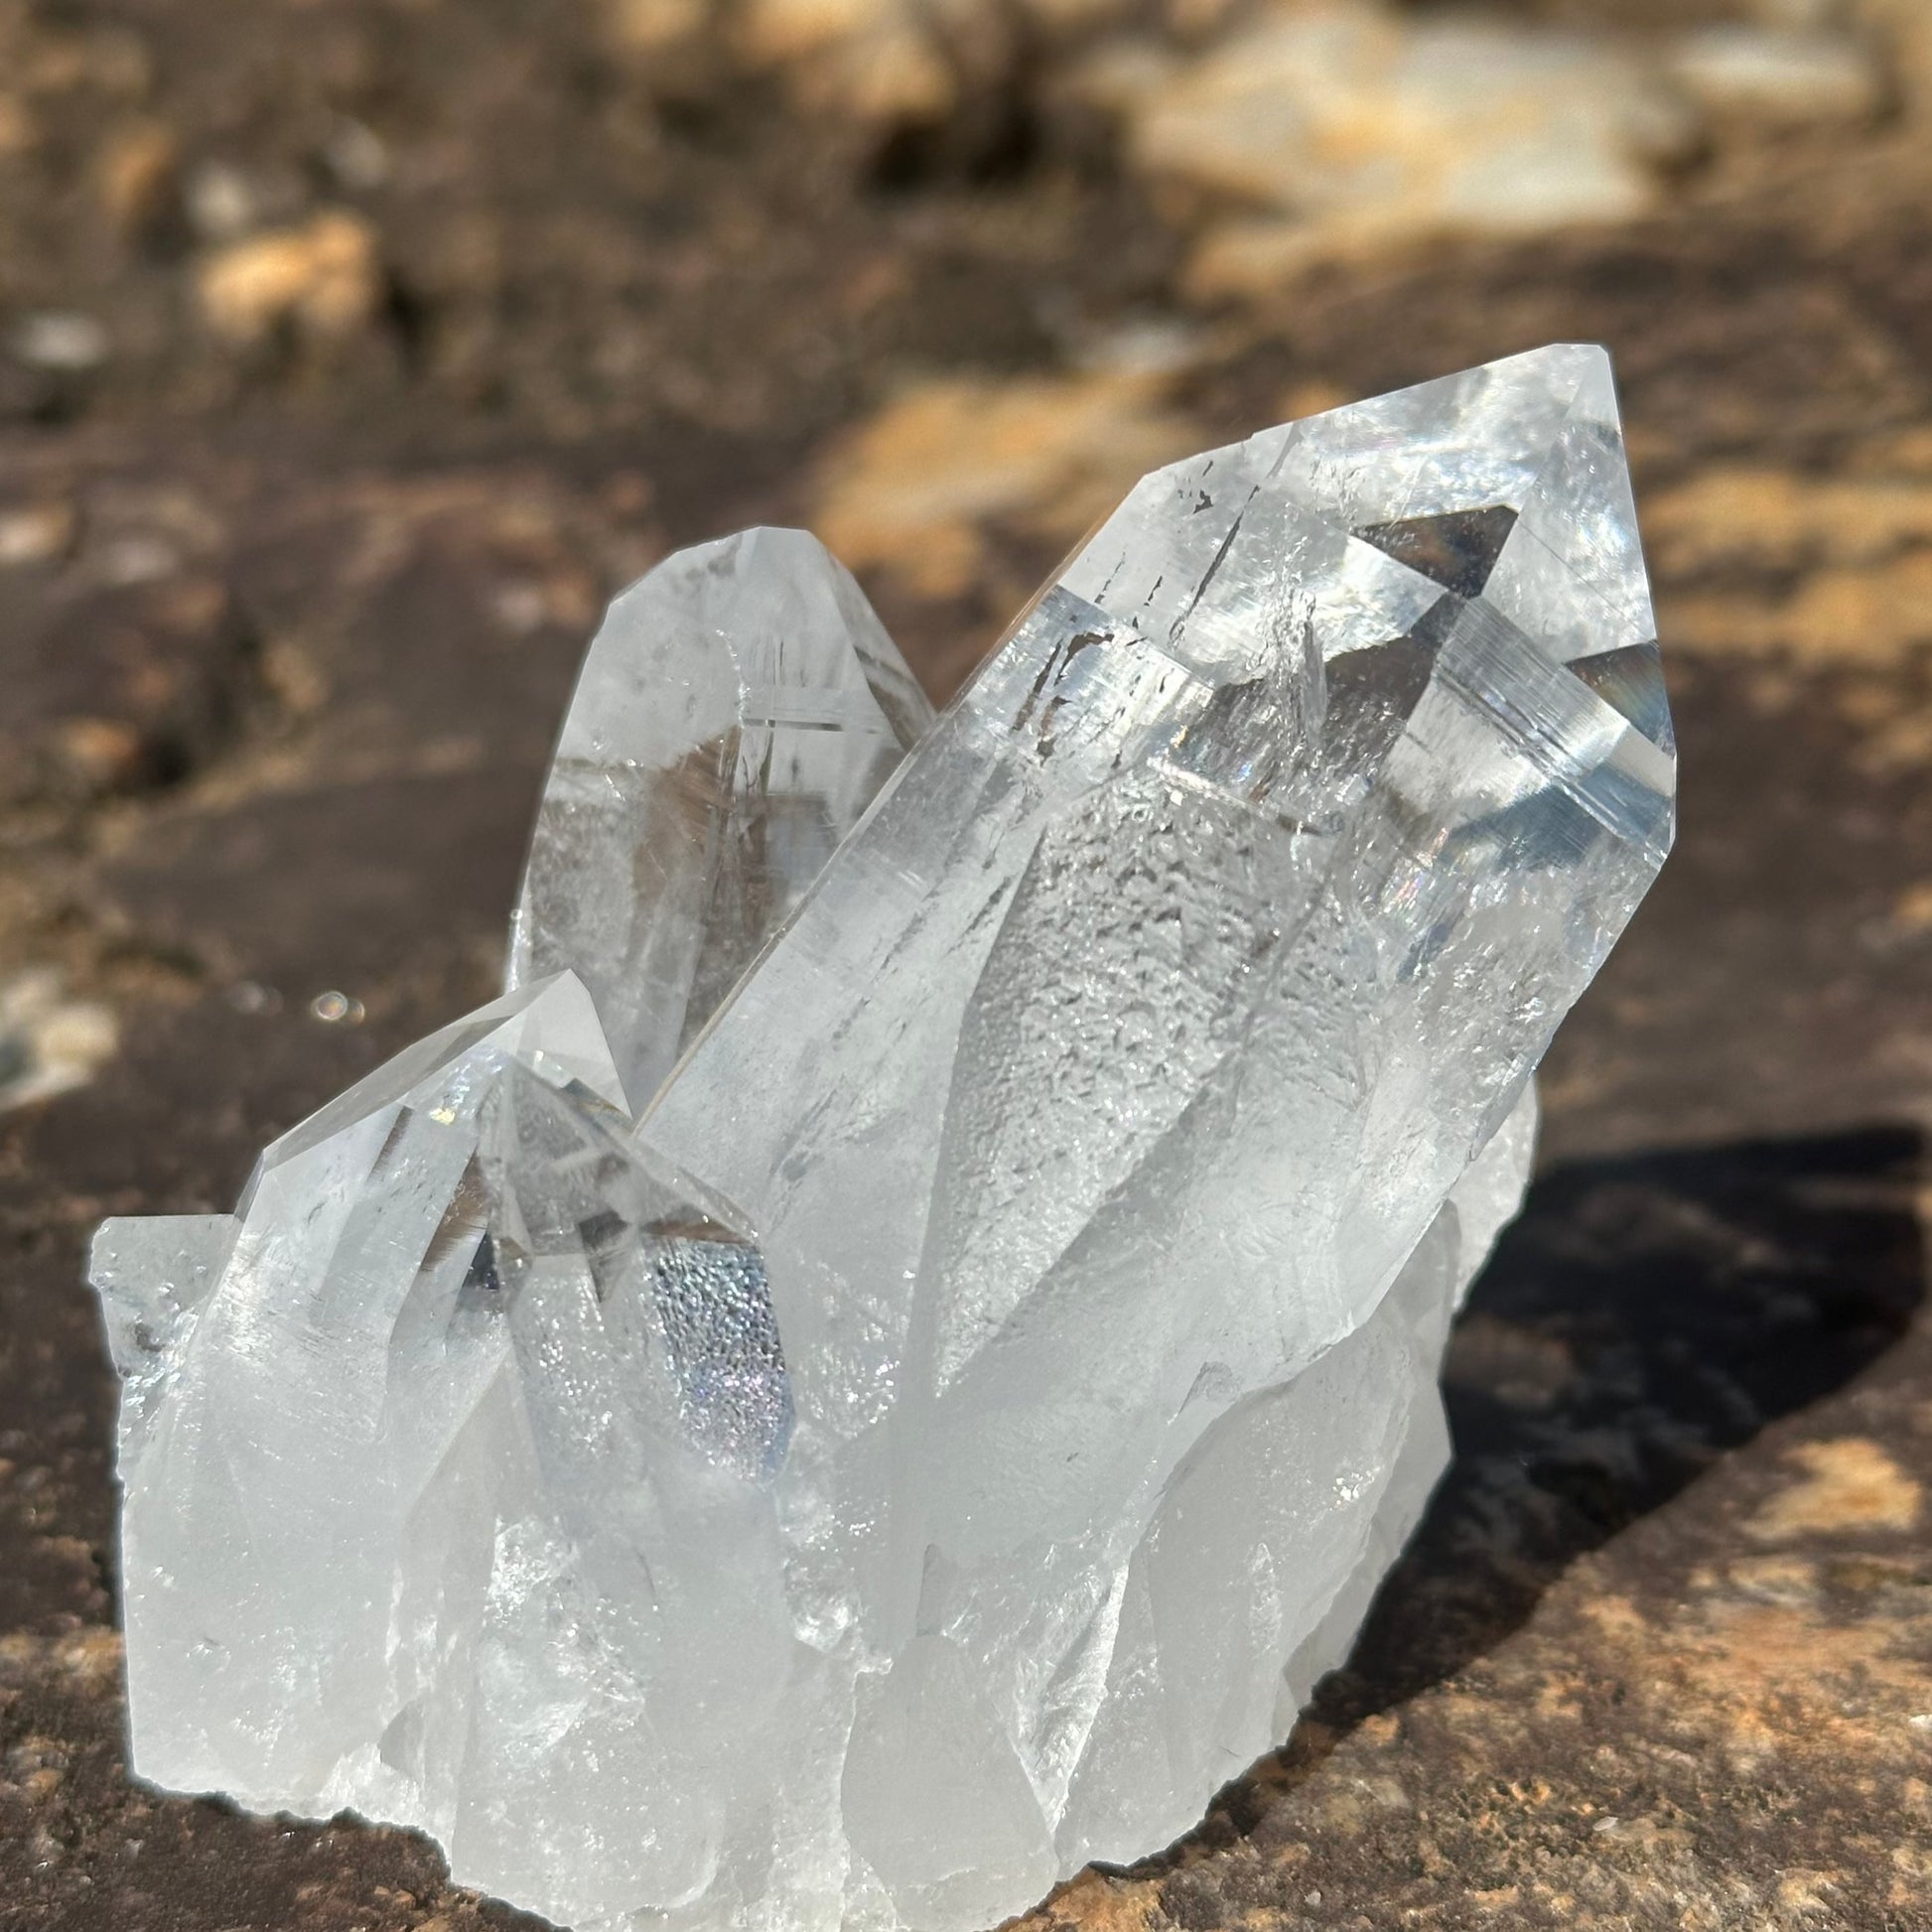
(945, 1436)
(736, 713)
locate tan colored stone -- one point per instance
(1740, 516)
(57, 1042)
(1904, 29)
(1357, 130)
(1122, 76)
(773, 30)
(1250, 258)
(1095, 1902)
(895, 77)
(88, 1656)
(68, 340)
(1787, 78)
(322, 278)
(652, 25)
(136, 174)
(874, 60)
(104, 754)
(1842, 616)
(1911, 909)
(1858, 607)
(1849, 1483)
(36, 533)
(913, 491)
(15, 126)
(1310, 397)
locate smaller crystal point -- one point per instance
(152, 1273)
(401, 1441)
(736, 713)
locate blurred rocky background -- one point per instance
(351, 351)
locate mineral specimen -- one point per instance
(947, 1432)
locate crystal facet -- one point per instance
(945, 1435)
(736, 713)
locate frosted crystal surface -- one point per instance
(734, 715)
(945, 1435)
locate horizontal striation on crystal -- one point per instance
(946, 1434)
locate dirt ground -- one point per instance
(352, 351)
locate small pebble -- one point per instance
(61, 339)
(48, 1044)
(137, 176)
(220, 201)
(1784, 77)
(323, 277)
(138, 558)
(35, 534)
(357, 156)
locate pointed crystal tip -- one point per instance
(736, 715)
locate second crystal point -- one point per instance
(734, 716)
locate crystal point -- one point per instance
(734, 716)
(949, 1431)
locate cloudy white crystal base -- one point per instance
(887, 1364)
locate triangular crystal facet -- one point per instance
(1455, 548)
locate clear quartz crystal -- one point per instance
(946, 1437)
(736, 713)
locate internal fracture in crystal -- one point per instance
(887, 1364)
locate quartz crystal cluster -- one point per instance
(884, 1366)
